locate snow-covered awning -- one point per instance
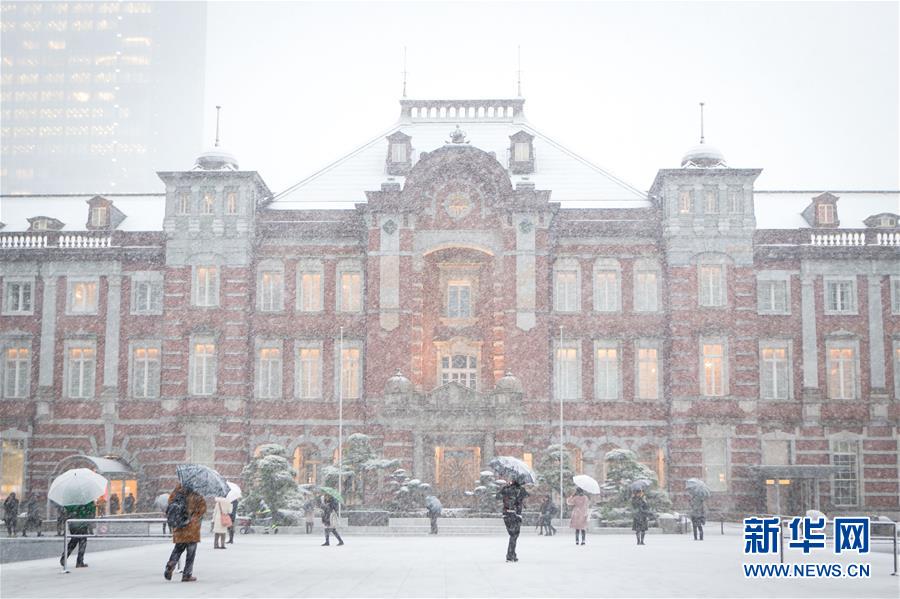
(108, 466)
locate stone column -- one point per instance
(111, 338)
(525, 265)
(876, 335)
(810, 342)
(389, 272)
(48, 345)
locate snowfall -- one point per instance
(609, 565)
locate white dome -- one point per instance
(216, 159)
(398, 384)
(508, 384)
(703, 156)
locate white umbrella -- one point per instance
(234, 492)
(587, 484)
(162, 502)
(77, 487)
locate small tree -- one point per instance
(548, 470)
(485, 492)
(623, 469)
(360, 460)
(269, 477)
(405, 494)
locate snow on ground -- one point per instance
(442, 566)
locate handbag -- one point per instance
(226, 520)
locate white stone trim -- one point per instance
(840, 339)
(349, 266)
(16, 340)
(778, 277)
(701, 379)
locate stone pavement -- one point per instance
(436, 566)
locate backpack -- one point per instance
(177, 515)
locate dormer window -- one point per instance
(102, 214)
(822, 211)
(521, 153)
(99, 216)
(825, 214)
(41, 224)
(399, 157)
(885, 220)
(44, 223)
(398, 152)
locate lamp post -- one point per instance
(340, 418)
(561, 352)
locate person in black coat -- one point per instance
(329, 507)
(548, 510)
(698, 515)
(640, 515)
(129, 504)
(114, 503)
(11, 513)
(234, 505)
(33, 519)
(513, 496)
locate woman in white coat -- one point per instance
(220, 528)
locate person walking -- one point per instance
(548, 510)
(61, 516)
(698, 515)
(233, 515)
(329, 507)
(309, 513)
(579, 502)
(640, 515)
(129, 504)
(221, 521)
(101, 507)
(114, 504)
(433, 514)
(11, 513)
(190, 507)
(33, 519)
(513, 496)
(78, 512)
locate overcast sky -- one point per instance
(807, 91)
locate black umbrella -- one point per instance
(202, 479)
(513, 469)
(641, 484)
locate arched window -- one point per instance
(458, 362)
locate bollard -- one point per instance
(780, 542)
(894, 573)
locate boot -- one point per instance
(170, 567)
(188, 579)
(338, 537)
(637, 535)
(327, 539)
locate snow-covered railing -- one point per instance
(54, 240)
(838, 239)
(448, 110)
(891, 239)
(84, 241)
(23, 241)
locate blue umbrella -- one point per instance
(202, 479)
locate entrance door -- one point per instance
(456, 470)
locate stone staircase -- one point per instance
(398, 527)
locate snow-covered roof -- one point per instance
(573, 181)
(142, 212)
(783, 209)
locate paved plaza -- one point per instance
(441, 566)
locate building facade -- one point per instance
(451, 288)
(85, 86)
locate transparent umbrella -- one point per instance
(513, 469)
(202, 479)
(77, 487)
(234, 492)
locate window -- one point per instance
(18, 296)
(16, 368)
(201, 446)
(309, 372)
(606, 287)
(776, 452)
(840, 296)
(712, 201)
(460, 368)
(521, 151)
(306, 464)
(646, 289)
(206, 286)
(80, 358)
(841, 370)
(825, 214)
(83, 296)
(774, 370)
(735, 202)
(350, 372)
(567, 371)
(647, 372)
(350, 291)
(99, 216)
(184, 203)
(895, 295)
(606, 372)
(398, 152)
(772, 297)
(146, 293)
(459, 299)
(208, 205)
(684, 202)
(565, 289)
(713, 382)
(712, 285)
(715, 463)
(271, 290)
(145, 370)
(845, 482)
(231, 203)
(309, 289)
(896, 368)
(268, 372)
(13, 460)
(203, 367)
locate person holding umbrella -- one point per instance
(77, 490)
(434, 507)
(11, 513)
(329, 507)
(513, 496)
(547, 512)
(33, 519)
(699, 492)
(640, 514)
(85, 511)
(185, 511)
(579, 514)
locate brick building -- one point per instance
(451, 283)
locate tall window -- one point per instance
(684, 202)
(712, 201)
(145, 373)
(460, 368)
(80, 370)
(646, 290)
(309, 291)
(18, 297)
(231, 203)
(648, 373)
(206, 286)
(566, 290)
(841, 371)
(715, 463)
(13, 460)
(459, 299)
(845, 482)
(826, 214)
(774, 371)
(268, 372)
(713, 382)
(350, 299)
(398, 152)
(771, 297)
(350, 372)
(271, 290)
(83, 297)
(16, 367)
(309, 372)
(208, 205)
(99, 216)
(183, 203)
(895, 295)
(606, 290)
(712, 285)
(606, 372)
(735, 202)
(146, 295)
(521, 152)
(567, 372)
(840, 296)
(203, 358)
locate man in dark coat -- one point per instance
(11, 513)
(129, 504)
(640, 515)
(78, 512)
(114, 504)
(33, 520)
(433, 514)
(329, 507)
(698, 515)
(187, 537)
(513, 496)
(548, 510)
